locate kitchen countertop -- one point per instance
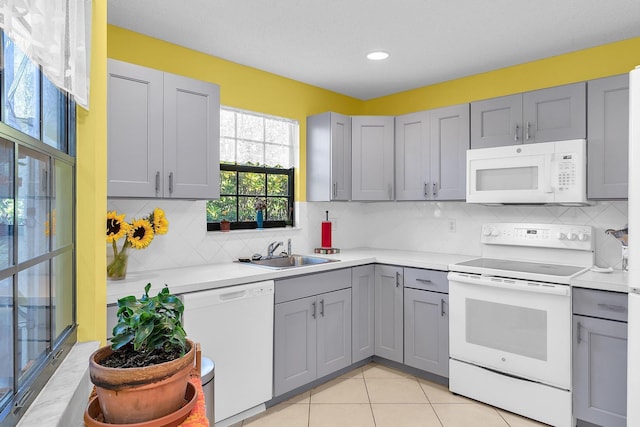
(616, 281)
(212, 276)
(202, 277)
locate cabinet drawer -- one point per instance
(428, 280)
(602, 304)
(312, 284)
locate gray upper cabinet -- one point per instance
(328, 157)
(430, 154)
(449, 145)
(362, 312)
(372, 158)
(172, 122)
(389, 312)
(608, 132)
(543, 115)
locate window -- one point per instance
(37, 254)
(257, 154)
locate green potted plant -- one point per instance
(143, 374)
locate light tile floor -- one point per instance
(378, 396)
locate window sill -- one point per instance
(274, 230)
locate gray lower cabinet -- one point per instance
(362, 312)
(389, 312)
(426, 321)
(312, 330)
(608, 133)
(600, 357)
(543, 115)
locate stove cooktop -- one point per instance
(555, 273)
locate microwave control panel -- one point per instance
(567, 172)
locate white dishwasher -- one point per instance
(234, 327)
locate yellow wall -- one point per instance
(91, 203)
(608, 60)
(252, 89)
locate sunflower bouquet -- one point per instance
(137, 234)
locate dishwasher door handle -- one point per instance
(232, 295)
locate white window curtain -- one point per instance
(55, 34)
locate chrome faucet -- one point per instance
(289, 247)
(272, 248)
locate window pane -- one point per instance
(277, 131)
(33, 317)
(62, 298)
(250, 153)
(227, 123)
(227, 150)
(277, 156)
(6, 343)
(277, 208)
(21, 91)
(33, 204)
(250, 127)
(6, 204)
(228, 182)
(251, 183)
(61, 218)
(223, 208)
(53, 116)
(277, 185)
(247, 211)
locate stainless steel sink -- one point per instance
(290, 261)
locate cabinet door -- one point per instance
(191, 138)
(340, 157)
(372, 159)
(600, 371)
(496, 122)
(412, 156)
(362, 310)
(294, 344)
(555, 113)
(426, 331)
(608, 132)
(333, 331)
(388, 313)
(449, 145)
(134, 130)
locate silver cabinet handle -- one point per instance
(335, 189)
(322, 307)
(527, 131)
(170, 182)
(611, 307)
(435, 189)
(426, 190)
(442, 303)
(424, 281)
(313, 309)
(157, 181)
(397, 279)
(515, 137)
(579, 333)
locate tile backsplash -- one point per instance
(447, 227)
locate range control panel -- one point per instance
(566, 236)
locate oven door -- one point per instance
(517, 327)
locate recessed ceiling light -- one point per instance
(377, 55)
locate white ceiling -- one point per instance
(324, 42)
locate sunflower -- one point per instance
(159, 221)
(116, 227)
(141, 233)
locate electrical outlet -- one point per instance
(451, 225)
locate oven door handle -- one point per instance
(514, 284)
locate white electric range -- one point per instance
(510, 318)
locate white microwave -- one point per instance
(543, 173)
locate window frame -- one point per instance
(248, 225)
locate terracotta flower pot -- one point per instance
(134, 395)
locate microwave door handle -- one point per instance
(548, 163)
